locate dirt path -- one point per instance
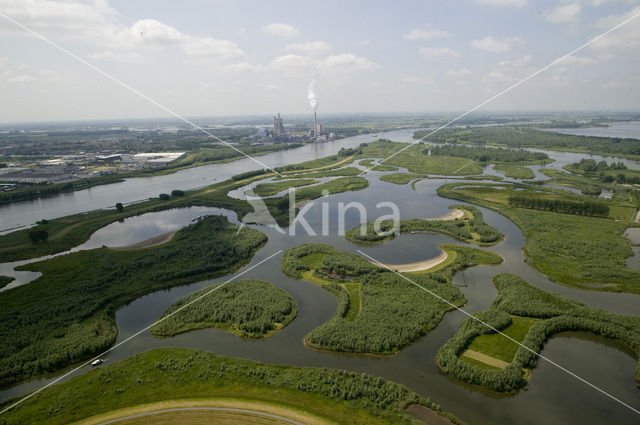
(491, 361)
(274, 411)
(157, 240)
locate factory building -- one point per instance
(278, 128)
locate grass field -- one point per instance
(496, 345)
(163, 377)
(247, 308)
(567, 248)
(417, 162)
(515, 171)
(378, 167)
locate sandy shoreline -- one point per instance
(423, 265)
(157, 240)
(453, 215)
(418, 266)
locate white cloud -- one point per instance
(436, 52)
(490, 44)
(116, 56)
(458, 72)
(346, 63)
(310, 48)
(69, 19)
(624, 38)
(563, 13)
(281, 30)
(422, 34)
(423, 81)
(94, 23)
(293, 65)
(516, 3)
(365, 42)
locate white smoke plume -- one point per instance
(311, 95)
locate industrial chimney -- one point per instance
(315, 125)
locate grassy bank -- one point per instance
(170, 374)
(267, 189)
(469, 228)
(586, 252)
(247, 308)
(68, 313)
(515, 171)
(393, 313)
(5, 280)
(531, 316)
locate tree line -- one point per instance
(587, 208)
(484, 154)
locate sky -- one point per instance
(237, 57)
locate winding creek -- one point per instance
(552, 396)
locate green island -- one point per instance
(318, 396)
(68, 314)
(371, 299)
(515, 171)
(490, 155)
(401, 178)
(528, 137)
(555, 242)
(416, 161)
(377, 167)
(247, 308)
(5, 280)
(465, 223)
(335, 172)
(478, 355)
(279, 207)
(267, 189)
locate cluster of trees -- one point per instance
(248, 174)
(590, 165)
(38, 235)
(517, 297)
(462, 229)
(5, 280)
(350, 151)
(43, 190)
(521, 137)
(394, 313)
(484, 154)
(250, 308)
(65, 316)
(588, 208)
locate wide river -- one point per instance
(552, 396)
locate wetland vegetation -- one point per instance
(247, 308)
(468, 228)
(167, 374)
(382, 297)
(67, 314)
(530, 316)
